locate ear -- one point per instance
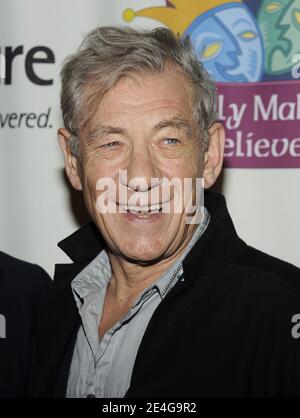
(71, 162)
(213, 157)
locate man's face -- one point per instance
(143, 125)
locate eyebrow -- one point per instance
(239, 22)
(101, 130)
(176, 122)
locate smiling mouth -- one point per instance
(142, 211)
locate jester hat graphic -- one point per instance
(224, 35)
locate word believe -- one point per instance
(247, 145)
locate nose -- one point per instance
(142, 171)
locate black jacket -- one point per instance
(24, 295)
(223, 332)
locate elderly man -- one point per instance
(163, 299)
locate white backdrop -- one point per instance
(34, 198)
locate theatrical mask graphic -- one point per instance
(224, 34)
(279, 22)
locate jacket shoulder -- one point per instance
(266, 267)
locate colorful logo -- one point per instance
(279, 22)
(233, 44)
(252, 50)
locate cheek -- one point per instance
(193, 162)
(189, 167)
(93, 172)
(189, 164)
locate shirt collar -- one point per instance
(96, 275)
(93, 278)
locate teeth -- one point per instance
(142, 210)
(141, 214)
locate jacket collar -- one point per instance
(218, 246)
(84, 244)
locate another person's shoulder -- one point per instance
(20, 273)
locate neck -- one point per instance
(130, 279)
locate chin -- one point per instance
(144, 255)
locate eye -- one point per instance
(211, 50)
(297, 16)
(273, 7)
(110, 144)
(171, 141)
(247, 35)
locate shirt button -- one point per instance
(90, 395)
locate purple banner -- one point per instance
(262, 122)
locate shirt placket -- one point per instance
(106, 347)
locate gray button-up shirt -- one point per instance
(103, 368)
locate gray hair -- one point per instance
(108, 53)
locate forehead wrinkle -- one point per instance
(101, 130)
